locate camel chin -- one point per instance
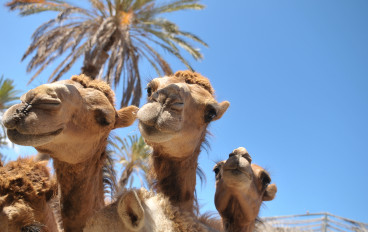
(153, 135)
(34, 140)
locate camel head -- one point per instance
(241, 187)
(67, 119)
(134, 211)
(178, 111)
(25, 189)
(139, 210)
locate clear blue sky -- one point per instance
(296, 74)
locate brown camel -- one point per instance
(174, 122)
(25, 192)
(70, 120)
(143, 211)
(241, 187)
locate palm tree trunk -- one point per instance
(125, 177)
(91, 64)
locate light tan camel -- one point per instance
(174, 122)
(70, 120)
(241, 187)
(25, 192)
(143, 211)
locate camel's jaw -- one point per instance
(34, 140)
(152, 134)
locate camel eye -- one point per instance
(210, 114)
(149, 91)
(265, 178)
(216, 170)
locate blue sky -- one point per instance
(295, 73)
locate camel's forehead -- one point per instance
(55, 88)
(69, 82)
(59, 85)
(196, 91)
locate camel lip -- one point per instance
(16, 133)
(148, 129)
(152, 134)
(238, 171)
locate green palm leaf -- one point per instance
(132, 154)
(7, 96)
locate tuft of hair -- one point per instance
(212, 220)
(182, 220)
(100, 85)
(26, 179)
(195, 78)
(35, 227)
(56, 209)
(108, 174)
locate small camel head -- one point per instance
(67, 119)
(242, 184)
(136, 210)
(25, 187)
(178, 111)
(130, 211)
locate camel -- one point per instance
(26, 189)
(241, 187)
(70, 120)
(174, 123)
(143, 211)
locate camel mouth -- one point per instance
(31, 139)
(148, 129)
(152, 133)
(238, 172)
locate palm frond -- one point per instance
(7, 93)
(180, 5)
(112, 36)
(132, 153)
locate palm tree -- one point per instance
(132, 153)
(113, 36)
(7, 95)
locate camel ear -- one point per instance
(4, 200)
(270, 192)
(126, 116)
(215, 111)
(130, 211)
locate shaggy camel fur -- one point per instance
(143, 211)
(25, 191)
(174, 122)
(70, 120)
(241, 187)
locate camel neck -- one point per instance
(235, 219)
(236, 228)
(45, 214)
(175, 178)
(81, 188)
